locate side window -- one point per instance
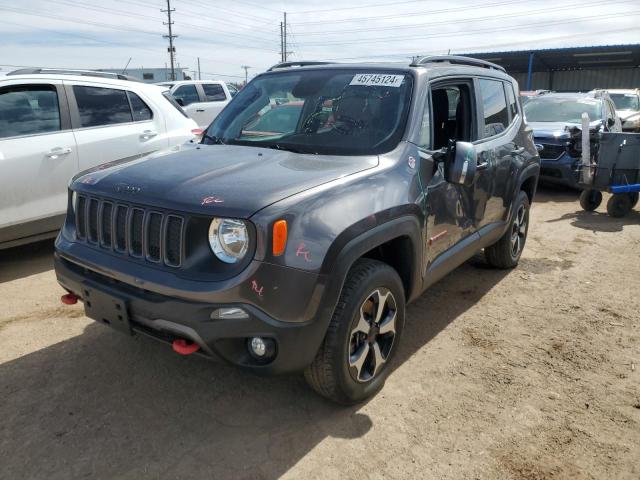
(425, 129)
(141, 110)
(102, 106)
(496, 117)
(232, 90)
(511, 99)
(452, 115)
(213, 92)
(28, 111)
(186, 95)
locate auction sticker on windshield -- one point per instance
(377, 79)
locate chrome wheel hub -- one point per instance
(372, 336)
(519, 230)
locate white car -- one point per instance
(55, 123)
(627, 107)
(203, 100)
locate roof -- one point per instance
(80, 78)
(605, 56)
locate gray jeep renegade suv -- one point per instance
(322, 200)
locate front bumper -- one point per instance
(289, 310)
(561, 171)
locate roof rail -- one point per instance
(64, 71)
(457, 59)
(300, 63)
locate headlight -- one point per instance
(229, 239)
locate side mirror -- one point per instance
(460, 165)
(611, 122)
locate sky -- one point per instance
(227, 35)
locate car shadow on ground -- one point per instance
(599, 221)
(19, 262)
(103, 405)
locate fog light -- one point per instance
(262, 348)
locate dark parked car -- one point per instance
(298, 251)
(553, 115)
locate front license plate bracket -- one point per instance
(107, 309)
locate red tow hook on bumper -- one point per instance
(184, 347)
(69, 299)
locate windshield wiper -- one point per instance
(215, 140)
(277, 146)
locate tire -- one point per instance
(590, 200)
(635, 196)
(619, 205)
(506, 252)
(338, 372)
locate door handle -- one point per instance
(517, 151)
(147, 134)
(58, 152)
(200, 110)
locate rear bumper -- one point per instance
(561, 171)
(167, 317)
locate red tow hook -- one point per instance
(69, 299)
(184, 347)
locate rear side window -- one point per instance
(496, 117)
(214, 92)
(29, 110)
(187, 94)
(511, 98)
(169, 98)
(140, 110)
(102, 106)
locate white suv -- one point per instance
(203, 100)
(54, 124)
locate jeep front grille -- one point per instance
(138, 232)
(552, 152)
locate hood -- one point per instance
(627, 114)
(557, 129)
(224, 180)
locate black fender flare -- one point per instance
(531, 170)
(340, 260)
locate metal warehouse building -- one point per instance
(571, 69)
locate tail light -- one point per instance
(198, 133)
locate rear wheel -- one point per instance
(590, 200)
(506, 252)
(619, 205)
(353, 360)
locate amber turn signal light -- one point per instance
(279, 237)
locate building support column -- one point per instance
(530, 71)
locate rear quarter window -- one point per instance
(496, 116)
(102, 106)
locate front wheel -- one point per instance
(634, 196)
(506, 252)
(353, 360)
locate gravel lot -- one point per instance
(528, 374)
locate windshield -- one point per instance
(626, 101)
(329, 111)
(569, 110)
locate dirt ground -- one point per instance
(531, 374)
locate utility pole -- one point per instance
(199, 74)
(284, 37)
(246, 73)
(171, 36)
(281, 42)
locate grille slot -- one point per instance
(81, 218)
(174, 241)
(154, 235)
(106, 224)
(135, 231)
(121, 228)
(552, 152)
(92, 231)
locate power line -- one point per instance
(466, 20)
(471, 32)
